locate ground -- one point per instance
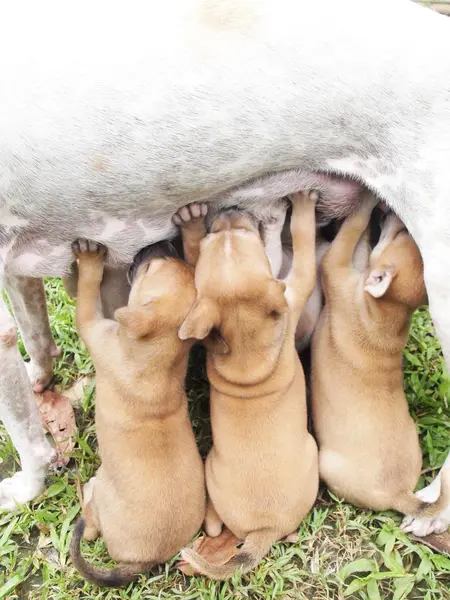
(342, 552)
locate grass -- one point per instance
(342, 552)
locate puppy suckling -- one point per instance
(262, 471)
(274, 227)
(369, 450)
(147, 499)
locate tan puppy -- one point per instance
(148, 497)
(275, 232)
(262, 471)
(369, 448)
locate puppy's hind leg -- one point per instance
(213, 523)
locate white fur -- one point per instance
(18, 411)
(112, 227)
(423, 527)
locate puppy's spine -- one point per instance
(257, 544)
(116, 577)
(413, 506)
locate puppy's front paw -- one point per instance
(90, 257)
(190, 214)
(304, 200)
(88, 247)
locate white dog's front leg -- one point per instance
(29, 303)
(19, 413)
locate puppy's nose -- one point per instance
(232, 219)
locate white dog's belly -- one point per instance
(45, 249)
(106, 140)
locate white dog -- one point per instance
(115, 114)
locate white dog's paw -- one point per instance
(424, 527)
(190, 212)
(40, 376)
(19, 489)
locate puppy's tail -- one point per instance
(116, 577)
(409, 504)
(257, 544)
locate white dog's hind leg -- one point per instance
(29, 304)
(436, 257)
(437, 281)
(19, 413)
(423, 527)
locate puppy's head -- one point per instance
(240, 307)
(396, 267)
(161, 295)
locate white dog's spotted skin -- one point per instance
(200, 97)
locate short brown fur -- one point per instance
(369, 450)
(262, 471)
(148, 497)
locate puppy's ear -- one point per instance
(277, 303)
(379, 280)
(136, 321)
(201, 319)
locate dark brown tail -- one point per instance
(116, 577)
(257, 544)
(409, 504)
